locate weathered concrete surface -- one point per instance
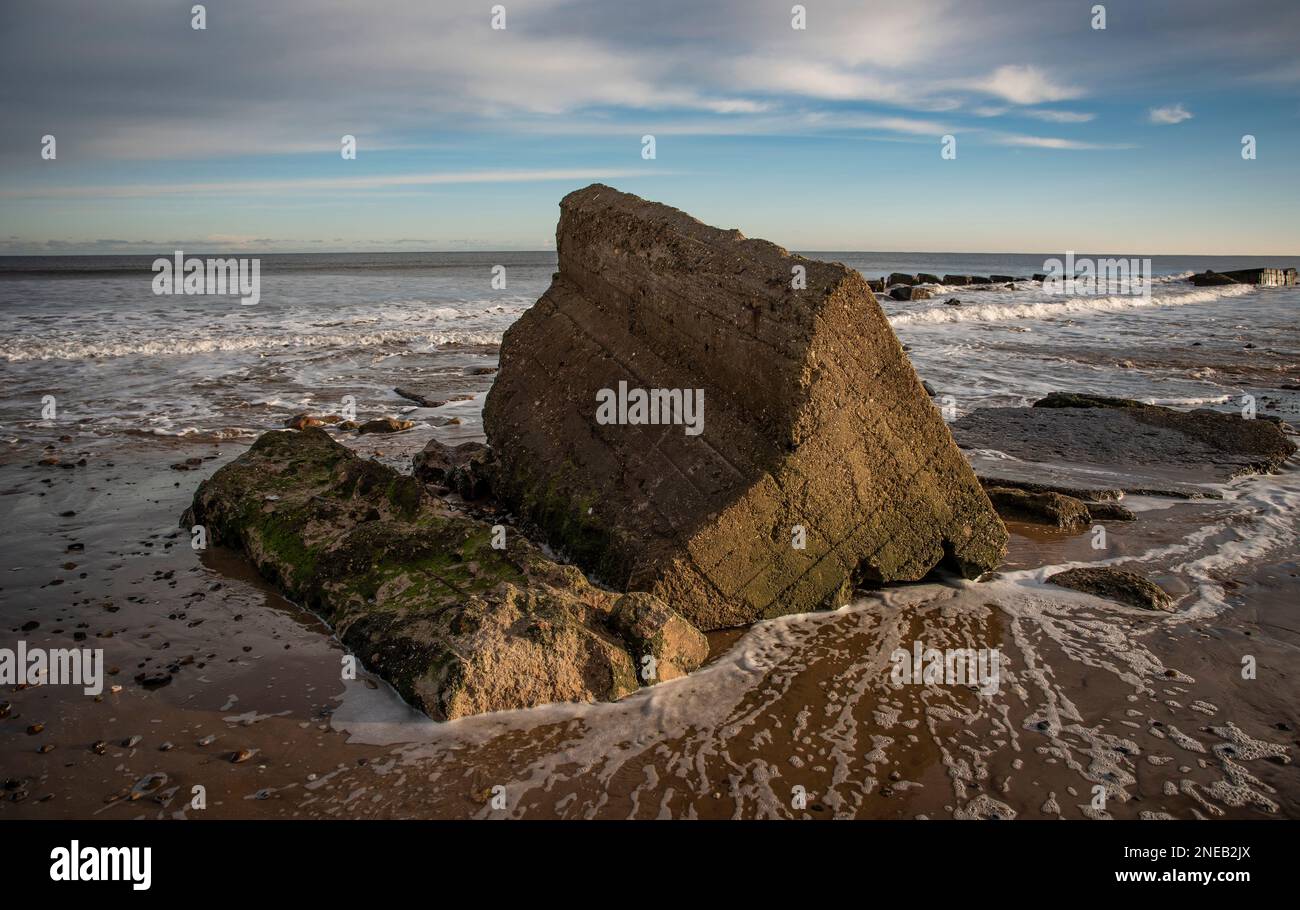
(813, 417)
(1092, 446)
(416, 590)
(650, 628)
(1268, 277)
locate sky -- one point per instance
(1125, 139)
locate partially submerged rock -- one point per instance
(1269, 277)
(1105, 510)
(816, 431)
(1212, 279)
(417, 591)
(305, 421)
(1256, 445)
(465, 468)
(1092, 442)
(1055, 509)
(385, 425)
(1119, 585)
(908, 292)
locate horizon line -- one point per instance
(553, 251)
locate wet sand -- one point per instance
(1149, 707)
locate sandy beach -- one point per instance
(1149, 706)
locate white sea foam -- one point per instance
(711, 733)
(1047, 309)
(89, 347)
(1188, 402)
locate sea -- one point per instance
(120, 360)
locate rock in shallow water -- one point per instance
(465, 468)
(1056, 509)
(815, 428)
(1115, 584)
(1144, 447)
(385, 425)
(414, 589)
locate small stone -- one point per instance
(150, 783)
(385, 425)
(303, 421)
(153, 680)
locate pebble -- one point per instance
(148, 784)
(208, 740)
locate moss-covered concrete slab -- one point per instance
(416, 590)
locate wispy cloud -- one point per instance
(253, 109)
(330, 184)
(1026, 85)
(1050, 116)
(1052, 142)
(1171, 113)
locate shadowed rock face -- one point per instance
(813, 418)
(418, 592)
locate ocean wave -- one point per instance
(196, 434)
(1068, 306)
(97, 347)
(1188, 402)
